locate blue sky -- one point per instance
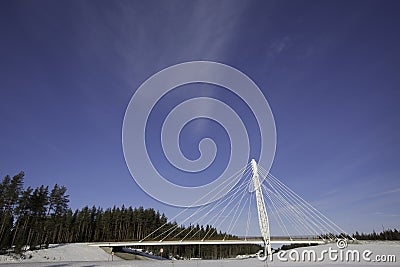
(329, 70)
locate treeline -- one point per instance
(388, 234)
(31, 216)
(36, 217)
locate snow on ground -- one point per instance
(63, 253)
(84, 255)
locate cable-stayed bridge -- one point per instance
(258, 203)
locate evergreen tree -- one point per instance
(11, 190)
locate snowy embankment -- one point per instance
(62, 253)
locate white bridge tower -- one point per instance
(262, 211)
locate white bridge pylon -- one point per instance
(229, 220)
(261, 209)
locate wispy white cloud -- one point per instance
(278, 46)
(393, 191)
(378, 213)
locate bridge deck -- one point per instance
(206, 242)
